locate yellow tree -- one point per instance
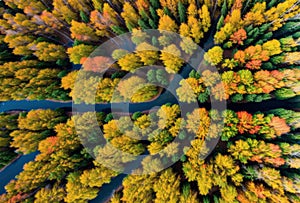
(171, 58)
(133, 192)
(232, 24)
(128, 145)
(97, 176)
(68, 81)
(24, 4)
(185, 92)
(255, 16)
(54, 194)
(167, 187)
(136, 89)
(37, 120)
(214, 56)
(195, 29)
(167, 23)
(184, 30)
(198, 122)
(82, 32)
(46, 51)
(76, 53)
(277, 15)
(171, 5)
(21, 23)
(147, 53)
(167, 116)
(105, 89)
(19, 43)
(228, 193)
(235, 18)
(76, 191)
(111, 130)
(82, 5)
(130, 16)
(192, 10)
(292, 58)
(130, 62)
(188, 45)
(138, 36)
(205, 18)
(63, 11)
(273, 47)
(224, 33)
(26, 141)
(109, 16)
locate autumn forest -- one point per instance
(243, 55)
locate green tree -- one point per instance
(181, 12)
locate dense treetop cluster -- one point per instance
(254, 47)
(257, 156)
(47, 35)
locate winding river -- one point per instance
(167, 96)
(106, 191)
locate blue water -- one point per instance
(14, 169)
(107, 190)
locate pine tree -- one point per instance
(130, 16)
(181, 12)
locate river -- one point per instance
(166, 97)
(14, 169)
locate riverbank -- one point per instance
(13, 169)
(120, 188)
(108, 190)
(11, 162)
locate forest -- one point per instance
(257, 157)
(255, 47)
(251, 54)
